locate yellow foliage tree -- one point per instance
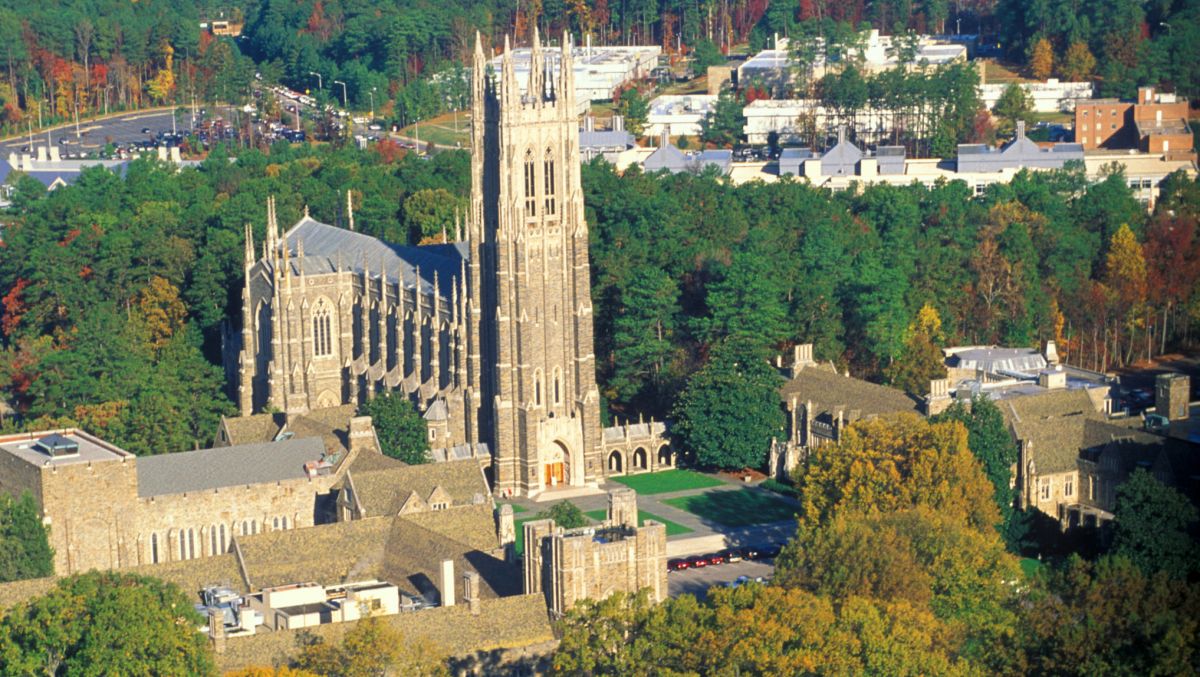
(898, 462)
(1078, 63)
(264, 671)
(1041, 60)
(162, 310)
(373, 647)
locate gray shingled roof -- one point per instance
(831, 392)
(325, 246)
(226, 466)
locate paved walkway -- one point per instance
(706, 535)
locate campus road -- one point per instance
(698, 581)
(121, 128)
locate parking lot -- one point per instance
(698, 581)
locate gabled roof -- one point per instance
(326, 246)
(831, 392)
(385, 492)
(667, 157)
(226, 466)
(331, 424)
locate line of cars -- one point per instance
(727, 556)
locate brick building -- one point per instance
(1154, 123)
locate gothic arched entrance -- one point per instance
(556, 467)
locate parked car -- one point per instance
(752, 552)
(732, 555)
(697, 562)
(716, 558)
(679, 564)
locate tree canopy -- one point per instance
(25, 550)
(402, 431)
(105, 623)
(1155, 526)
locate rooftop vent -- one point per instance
(57, 446)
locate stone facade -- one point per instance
(104, 513)
(491, 336)
(594, 562)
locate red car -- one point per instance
(677, 564)
(716, 558)
(697, 561)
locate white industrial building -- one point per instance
(599, 71)
(679, 114)
(784, 117)
(774, 66)
(1050, 96)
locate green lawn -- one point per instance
(673, 528)
(667, 481)
(735, 508)
(1030, 567)
(518, 508)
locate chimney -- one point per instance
(1171, 394)
(589, 123)
(802, 356)
(446, 587)
(471, 591)
(362, 433)
(1020, 129)
(618, 123)
(665, 138)
(216, 630)
(162, 153)
(939, 397)
(54, 154)
(1052, 353)
(42, 153)
(622, 507)
(506, 530)
(1145, 95)
(1052, 379)
(175, 156)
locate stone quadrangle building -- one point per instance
(490, 335)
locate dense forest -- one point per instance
(113, 291)
(405, 59)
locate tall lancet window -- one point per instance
(548, 173)
(530, 186)
(322, 331)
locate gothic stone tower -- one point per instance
(529, 260)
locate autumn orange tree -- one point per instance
(1041, 59)
(1125, 277)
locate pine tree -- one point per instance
(25, 550)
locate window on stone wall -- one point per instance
(322, 331)
(213, 548)
(530, 186)
(154, 548)
(557, 386)
(537, 388)
(1045, 490)
(275, 524)
(548, 178)
(439, 506)
(224, 543)
(284, 521)
(1069, 487)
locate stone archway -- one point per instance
(665, 456)
(326, 399)
(616, 463)
(640, 461)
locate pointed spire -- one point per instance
(457, 225)
(349, 209)
(249, 247)
(537, 70)
(306, 211)
(272, 225)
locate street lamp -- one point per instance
(319, 85)
(1170, 31)
(339, 82)
(372, 95)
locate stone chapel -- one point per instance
(491, 335)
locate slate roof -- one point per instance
(842, 159)
(1058, 424)
(226, 466)
(831, 392)
(383, 492)
(473, 525)
(325, 554)
(670, 158)
(331, 424)
(326, 245)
